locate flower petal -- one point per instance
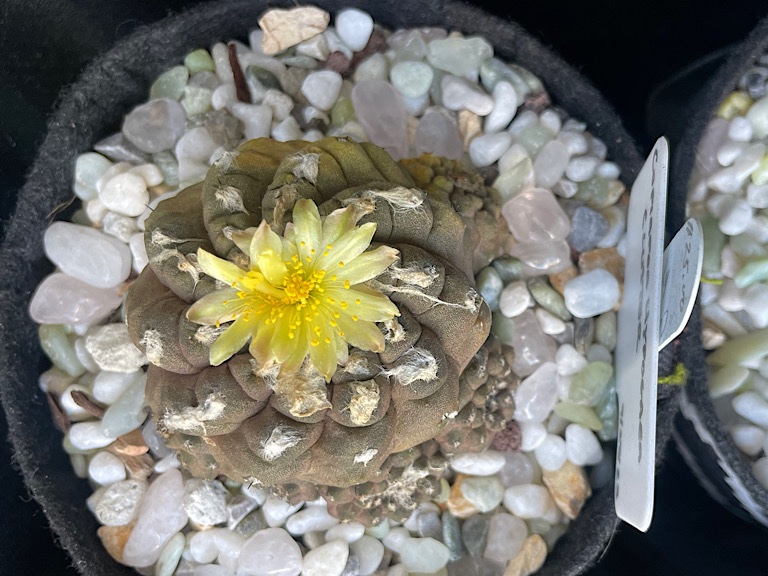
(261, 343)
(347, 248)
(218, 306)
(308, 228)
(242, 239)
(339, 222)
(266, 253)
(219, 268)
(231, 341)
(297, 349)
(322, 349)
(362, 334)
(363, 302)
(368, 265)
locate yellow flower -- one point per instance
(303, 294)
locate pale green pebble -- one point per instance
(605, 330)
(300, 61)
(510, 183)
(170, 555)
(412, 79)
(60, 349)
(509, 268)
(578, 414)
(503, 328)
(747, 248)
(197, 100)
(452, 534)
(493, 70)
(608, 412)
(726, 380)
(538, 526)
(380, 530)
(89, 167)
(548, 298)
(343, 112)
(459, 56)
(597, 192)
(444, 493)
(79, 464)
(760, 175)
(534, 137)
(533, 81)
(265, 78)
(170, 84)
(751, 272)
(489, 284)
(199, 60)
(436, 90)
(128, 412)
(168, 165)
(484, 492)
(588, 386)
(714, 240)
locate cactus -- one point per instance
(309, 313)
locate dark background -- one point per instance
(626, 47)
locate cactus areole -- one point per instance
(310, 318)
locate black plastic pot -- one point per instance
(722, 469)
(93, 108)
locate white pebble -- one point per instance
(310, 519)
(515, 299)
(569, 361)
(270, 551)
(425, 555)
(582, 446)
(760, 470)
(160, 517)
(196, 144)
(150, 173)
(72, 409)
(286, 130)
(257, 119)
(488, 148)
(749, 405)
(347, 531)
(533, 434)
(106, 468)
(729, 151)
(354, 27)
(375, 67)
(395, 538)
(321, 89)
(504, 107)
(459, 94)
(527, 500)
(506, 534)
(550, 454)
(749, 439)
(326, 560)
(125, 194)
(550, 120)
(735, 216)
(109, 386)
(276, 510)
(536, 395)
(224, 96)
(205, 501)
(280, 104)
(370, 552)
(582, 168)
(591, 294)
(518, 469)
(88, 436)
(550, 164)
(118, 504)
(740, 129)
(202, 547)
(483, 463)
(138, 251)
(550, 324)
(112, 349)
(574, 142)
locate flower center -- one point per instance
(299, 283)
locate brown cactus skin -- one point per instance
(372, 454)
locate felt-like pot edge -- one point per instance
(92, 108)
(724, 471)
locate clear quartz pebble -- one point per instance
(205, 501)
(533, 434)
(381, 112)
(128, 412)
(535, 216)
(532, 347)
(459, 94)
(61, 299)
(527, 500)
(156, 125)
(326, 560)
(551, 453)
(270, 552)
(536, 395)
(160, 517)
(506, 534)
